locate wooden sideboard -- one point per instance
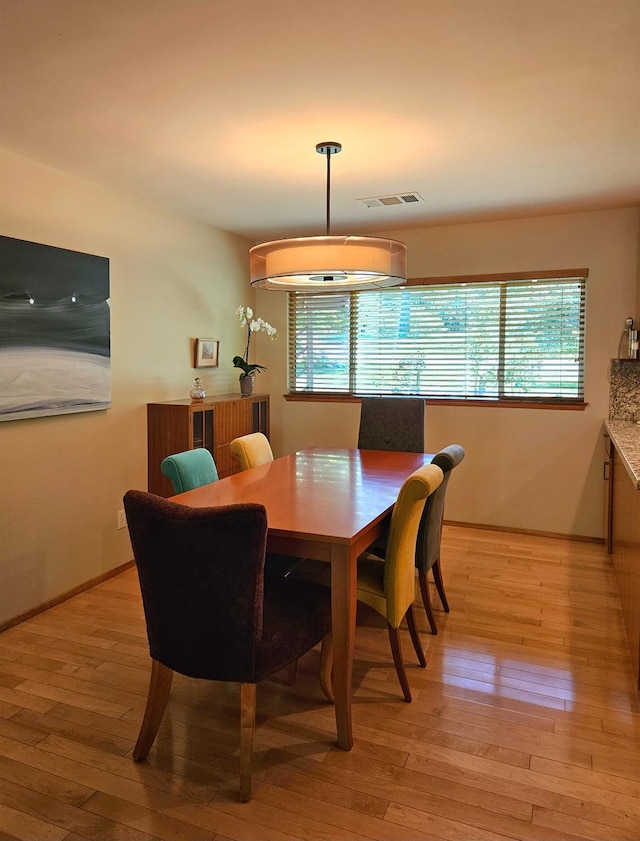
(177, 425)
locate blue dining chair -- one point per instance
(190, 469)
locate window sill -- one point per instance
(441, 401)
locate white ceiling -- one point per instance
(212, 108)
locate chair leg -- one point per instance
(415, 637)
(396, 650)
(326, 666)
(290, 679)
(426, 601)
(292, 673)
(247, 730)
(437, 577)
(157, 697)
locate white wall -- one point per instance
(525, 468)
(63, 477)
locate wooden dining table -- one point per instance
(328, 504)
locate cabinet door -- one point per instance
(168, 431)
(232, 419)
(607, 476)
(626, 553)
(202, 429)
(261, 416)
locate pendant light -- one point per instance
(328, 263)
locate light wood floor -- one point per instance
(525, 724)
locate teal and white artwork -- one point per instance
(55, 355)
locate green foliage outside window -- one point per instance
(507, 339)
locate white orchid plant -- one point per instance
(253, 325)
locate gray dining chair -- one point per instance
(430, 532)
(392, 423)
(427, 552)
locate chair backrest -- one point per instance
(251, 450)
(201, 574)
(190, 469)
(430, 531)
(392, 423)
(399, 565)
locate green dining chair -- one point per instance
(190, 469)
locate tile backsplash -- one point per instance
(624, 391)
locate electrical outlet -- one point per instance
(122, 520)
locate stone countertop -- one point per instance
(625, 436)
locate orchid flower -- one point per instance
(253, 325)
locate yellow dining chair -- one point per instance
(251, 450)
(388, 586)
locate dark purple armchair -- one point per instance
(211, 613)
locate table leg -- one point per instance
(343, 614)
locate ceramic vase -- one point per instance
(246, 386)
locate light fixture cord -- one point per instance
(328, 190)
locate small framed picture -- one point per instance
(206, 353)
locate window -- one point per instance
(503, 338)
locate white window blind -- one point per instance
(507, 339)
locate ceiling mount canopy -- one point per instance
(328, 263)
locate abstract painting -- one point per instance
(55, 355)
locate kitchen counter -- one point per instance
(625, 436)
(624, 448)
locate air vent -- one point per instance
(387, 201)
